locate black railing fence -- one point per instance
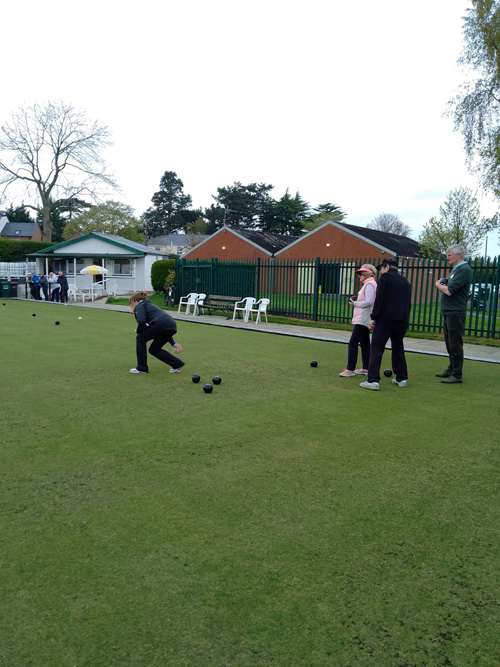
(319, 289)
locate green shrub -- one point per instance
(159, 272)
(16, 251)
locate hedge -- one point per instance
(159, 272)
(16, 251)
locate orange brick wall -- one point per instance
(343, 245)
(235, 248)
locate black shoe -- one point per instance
(452, 380)
(446, 374)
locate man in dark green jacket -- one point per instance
(454, 295)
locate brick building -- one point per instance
(332, 240)
(228, 243)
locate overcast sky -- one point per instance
(340, 101)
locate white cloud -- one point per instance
(342, 102)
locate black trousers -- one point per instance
(160, 337)
(453, 326)
(54, 294)
(360, 336)
(383, 331)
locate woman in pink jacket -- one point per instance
(361, 320)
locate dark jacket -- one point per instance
(393, 300)
(147, 314)
(459, 282)
(63, 281)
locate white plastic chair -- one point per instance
(200, 300)
(71, 292)
(244, 306)
(74, 293)
(188, 301)
(260, 308)
(97, 290)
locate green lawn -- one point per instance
(288, 518)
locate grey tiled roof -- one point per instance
(19, 229)
(266, 240)
(399, 245)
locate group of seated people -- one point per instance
(53, 287)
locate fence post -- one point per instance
(214, 275)
(316, 286)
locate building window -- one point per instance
(67, 266)
(122, 267)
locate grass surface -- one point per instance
(288, 518)
(158, 299)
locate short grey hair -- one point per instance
(457, 249)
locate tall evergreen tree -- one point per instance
(169, 212)
(18, 214)
(286, 215)
(244, 205)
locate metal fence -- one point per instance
(318, 289)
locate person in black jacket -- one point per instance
(63, 282)
(44, 285)
(391, 312)
(154, 324)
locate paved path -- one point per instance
(418, 345)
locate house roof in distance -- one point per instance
(402, 246)
(19, 229)
(266, 240)
(175, 239)
(393, 244)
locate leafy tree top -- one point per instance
(460, 222)
(109, 218)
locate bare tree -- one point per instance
(388, 222)
(54, 152)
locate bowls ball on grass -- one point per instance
(387, 372)
(314, 363)
(57, 322)
(196, 378)
(216, 380)
(208, 389)
(33, 314)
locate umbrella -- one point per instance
(94, 269)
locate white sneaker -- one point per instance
(174, 370)
(134, 370)
(370, 385)
(401, 383)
